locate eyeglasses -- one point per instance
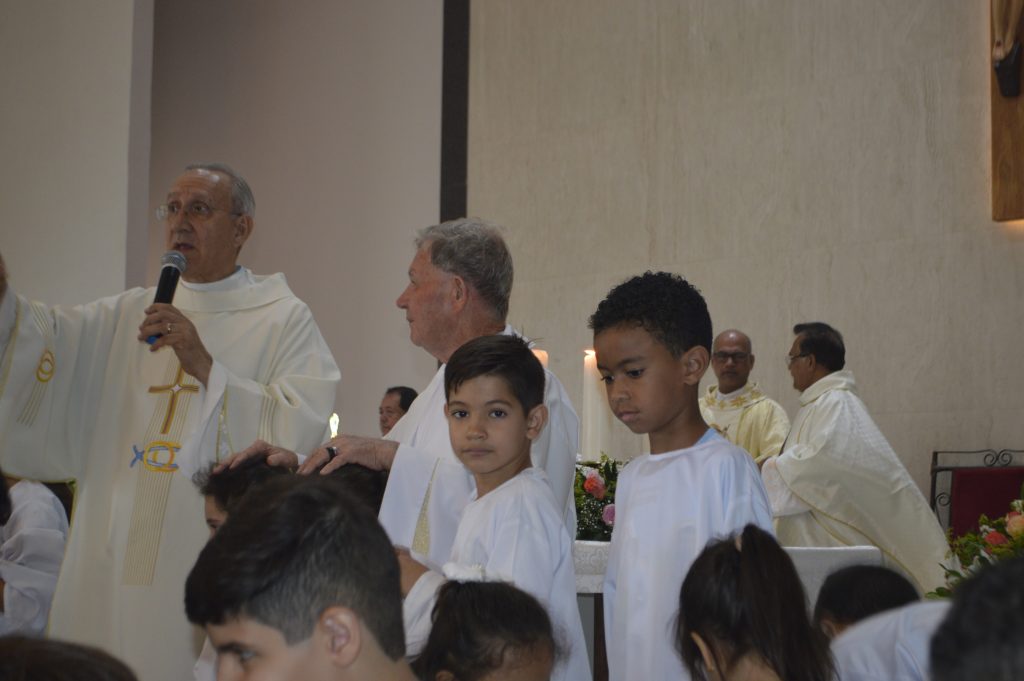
(724, 357)
(792, 358)
(197, 210)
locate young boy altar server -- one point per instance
(652, 336)
(300, 584)
(513, 529)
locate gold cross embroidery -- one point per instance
(174, 388)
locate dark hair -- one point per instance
(360, 483)
(5, 501)
(231, 484)
(824, 342)
(507, 357)
(293, 548)
(750, 600)
(856, 592)
(405, 395)
(478, 626)
(24, 658)
(665, 305)
(982, 636)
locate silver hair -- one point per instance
(474, 250)
(242, 200)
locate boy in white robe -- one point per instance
(512, 530)
(651, 336)
(31, 549)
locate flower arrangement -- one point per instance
(994, 541)
(595, 498)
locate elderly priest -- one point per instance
(237, 356)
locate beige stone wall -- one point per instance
(797, 160)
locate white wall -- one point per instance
(331, 110)
(798, 161)
(74, 135)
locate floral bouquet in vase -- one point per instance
(996, 539)
(594, 491)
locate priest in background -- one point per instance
(737, 408)
(237, 356)
(838, 482)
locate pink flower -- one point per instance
(995, 538)
(1012, 514)
(594, 484)
(1015, 525)
(608, 515)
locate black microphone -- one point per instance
(174, 265)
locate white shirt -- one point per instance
(891, 646)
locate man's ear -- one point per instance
(535, 421)
(751, 362)
(458, 294)
(338, 635)
(243, 229)
(695, 362)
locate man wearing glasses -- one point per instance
(837, 481)
(737, 408)
(130, 398)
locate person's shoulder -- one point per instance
(527, 493)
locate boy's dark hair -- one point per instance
(824, 342)
(982, 636)
(361, 484)
(750, 600)
(857, 592)
(291, 549)
(24, 658)
(507, 357)
(476, 625)
(229, 486)
(406, 395)
(665, 305)
(5, 501)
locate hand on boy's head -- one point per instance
(367, 451)
(275, 456)
(411, 569)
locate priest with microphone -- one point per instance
(130, 395)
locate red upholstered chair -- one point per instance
(966, 484)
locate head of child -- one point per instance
(494, 386)
(487, 631)
(224, 490)
(857, 592)
(300, 583)
(743, 615)
(652, 338)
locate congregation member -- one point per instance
(856, 592)
(741, 615)
(486, 631)
(652, 336)
(33, 531)
(513, 529)
(320, 604)
(235, 357)
(25, 658)
(891, 645)
(737, 408)
(838, 482)
(393, 405)
(982, 635)
(460, 281)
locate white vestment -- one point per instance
(839, 483)
(31, 549)
(747, 418)
(84, 399)
(667, 508)
(515, 533)
(425, 461)
(890, 646)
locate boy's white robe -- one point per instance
(891, 646)
(839, 483)
(425, 461)
(516, 534)
(667, 508)
(82, 398)
(31, 550)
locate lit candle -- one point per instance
(597, 418)
(334, 424)
(542, 355)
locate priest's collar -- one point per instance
(747, 395)
(236, 279)
(837, 380)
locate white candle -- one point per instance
(597, 417)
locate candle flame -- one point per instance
(334, 424)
